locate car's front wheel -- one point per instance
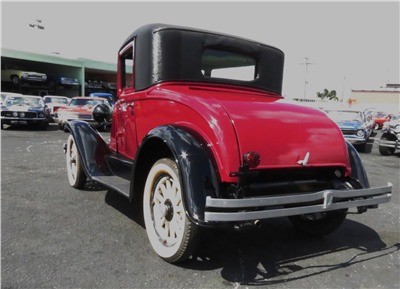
(76, 175)
(171, 234)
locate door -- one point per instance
(124, 115)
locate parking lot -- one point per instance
(55, 236)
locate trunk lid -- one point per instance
(285, 135)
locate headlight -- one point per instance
(24, 75)
(22, 114)
(15, 114)
(360, 133)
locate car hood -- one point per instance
(284, 134)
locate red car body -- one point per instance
(234, 121)
(202, 147)
(380, 118)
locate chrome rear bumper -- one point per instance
(230, 210)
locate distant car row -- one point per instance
(18, 109)
(356, 126)
(17, 77)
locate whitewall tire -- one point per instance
(76, 175)
(170, 232)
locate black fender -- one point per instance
(91, 148)
(198, 176)
(357, 168)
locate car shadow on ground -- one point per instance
(275, 253)
(132, 210)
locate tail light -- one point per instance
(251, 159)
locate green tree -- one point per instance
(326, 94)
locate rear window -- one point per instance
(217, 63)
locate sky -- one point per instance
(350, 45)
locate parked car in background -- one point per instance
(5, 94)
(25, 110)
(106, 95)
(55, 102)
(393, 122)
(380, 118)
(79, 108)
(18, 77)
(390, 139)
(354, 124)
(110, 85)
(93, 84)
(55, 81)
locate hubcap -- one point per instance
(167, 211)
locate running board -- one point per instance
(115, 183)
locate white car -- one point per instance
(55, 102)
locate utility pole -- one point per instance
(307, 63)
(343, 87)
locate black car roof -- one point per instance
(173, 53)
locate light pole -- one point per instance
(307, 63)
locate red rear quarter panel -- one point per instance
(233, 121)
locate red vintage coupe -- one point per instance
(198, 140)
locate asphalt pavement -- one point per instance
(54, 236)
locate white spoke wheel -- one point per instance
(76, 175)
(171, 233)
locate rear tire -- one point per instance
(319, 224)
(170, 232)
(323, 223)
(76, 175)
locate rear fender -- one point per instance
(197, 172)
(357, 168)
(91, 148)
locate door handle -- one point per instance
(131, 109)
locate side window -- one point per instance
(126, 66)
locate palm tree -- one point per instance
(330, 95)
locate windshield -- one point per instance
(56, 100)
(338, 115)
(20, 100)
(380, 115)
(83, 102)
(396, 117)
